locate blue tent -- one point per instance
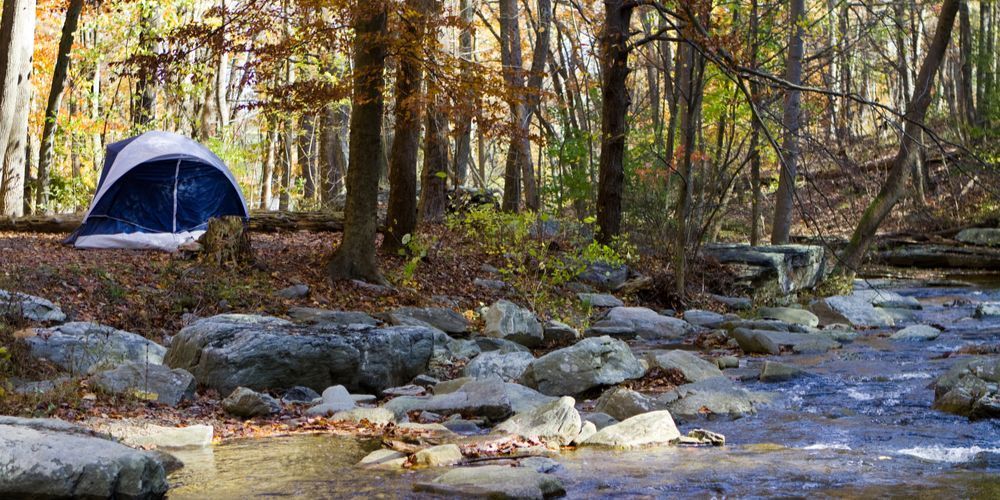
(158, 191)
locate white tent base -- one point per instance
(168, 242)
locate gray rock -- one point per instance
(782, 269)
(765, 324)
(647, 429)
(590, 363)
(43, 458)
(261, 352)
(494, 481)
(790, 315)
(449, 386)
(488, 398)
(293, 292)
(599, 300)
(856, 310)
(158, 382)
(987, 309)
(384, 459)
(556, 421)
(613, 329)
(446, 320)
(29, 307)
(687, 363)
(621, 403)
(649, 325)
(734, 303)
(81, 348)
(489, 284)
(916, 332)
(507, 366)
(438, 456)
(312, 315)
(425, 381)
(248, 403)
(726, 362)
(600, 420)
(299, 394)
(462, 426)
(772, 371)
(699, 317)
(983, 236)
(335, 399)
(604, 276)
(144, 434)
(374, 416)
(559, 333)
(509, 321)
(714, 396)
(587, 430)
(768, 342)
(539, 464)
(971, 387)
(487, 344)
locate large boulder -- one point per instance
(781, 269)
(688, 364)
(772, 342)
(647, 429)
(156, 382)
(604, 276)
(508, 366)
(261, 352)
(916, 332)
(557, 422)
(248, 403)
(45, 458)
(856, 310)
(713, 396)
(984, 236)
(494, 481)
(590, 363)
(29, 307)
(491, 398)
(446, 320)
(971, 388)
(621, 403)
(649, 324)
(507, 320)
(987, 310)
(81, 348)
(790, 315)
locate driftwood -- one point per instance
(260, 222)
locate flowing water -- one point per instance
(861, 427)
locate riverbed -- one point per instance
(860, 426)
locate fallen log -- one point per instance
(878, 164)
(260, 222)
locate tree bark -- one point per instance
(895, 183)
(267, 172)
(144, 96)
(965, 92)
(615, 101)
(332, 162)
(59, 78)
(691, 84)
(433, 200)
(17, 41)
(401, 215)
(785, 196)
(355, 258)
(467, 101)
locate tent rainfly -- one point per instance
(157, 191)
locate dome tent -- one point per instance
(157, 191)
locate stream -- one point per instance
(860, 427)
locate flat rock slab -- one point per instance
(266, 353)
(714, 396)
(692, 367)
(648, 324)
(144, 434)
(599, 300)
(314, 316)
(855, 310)
(916, 333)
(508, 366)
(81, 348)
(782, 269)
(494, 481)
(768, 342)
(647, 429)
(984, 236)
(157, 382)
(29, 307)
(446, 320)
(46, 458)
(492, 398)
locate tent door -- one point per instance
(177, 176)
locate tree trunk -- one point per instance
(433, 200)
(267, 172)
(615, 101)
(401, 215)
(331, 155)
(307, 155)
(17, 41)
(965, 93)
(691, 83)
(785, 196)
(895, 183)
(144, 96)
(59, 77)
(755, 125)
(355, 258)
(463, 125)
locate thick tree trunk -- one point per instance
(691, 84)
(757, 194)
(355, 258)
(433, 200)
(785, 197)
(17, 41)
(401, 215)
(965, 92)
(59, 77)
(332, 162)
(895, 183)
(615, 101)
